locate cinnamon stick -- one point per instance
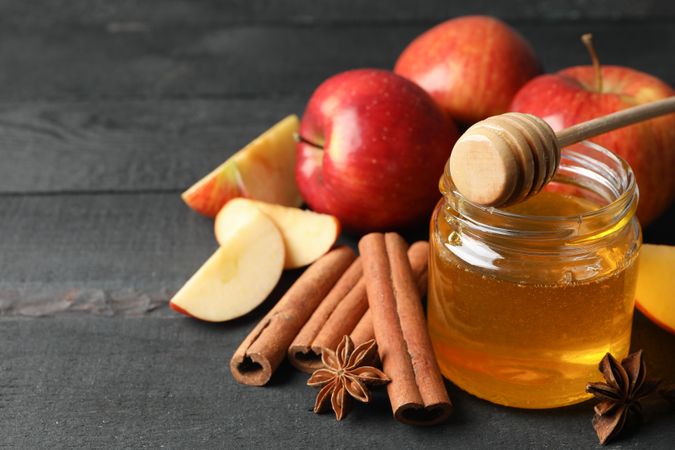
(363, 331)
(264, 348)
(416, 392)
(418, 254)
(345, 311)
(300, 352)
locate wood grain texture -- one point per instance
(130, 14)
(98, 254)
(121, 146)
(157, 111)
(249, 61)
(109, 109)
(121, 254)
(151, 383)
(150, 241)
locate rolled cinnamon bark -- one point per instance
(363, 331)
(418, 254)
(342, 321)
(300, 352)
(416, 392)
(264, 348)
(345, 311)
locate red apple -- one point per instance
(573, 95)
(472, 66)
(372, 148)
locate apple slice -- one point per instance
(656, 284)
(241, 273)
(263, 170)
(209, 194)
(307, 235)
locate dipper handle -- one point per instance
(506, 159)
(619, 119)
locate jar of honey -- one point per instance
(525, 301)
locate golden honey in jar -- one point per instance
(525, 301)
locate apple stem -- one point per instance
(299, 138)
(587, 39)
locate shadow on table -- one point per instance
(658, 346)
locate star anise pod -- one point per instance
(345, 374)
(626, 384)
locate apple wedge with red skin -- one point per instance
(571, 96)
(372, 148)
(263, 170)
(472, 66)
(210, 193)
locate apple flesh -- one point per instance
(372, 149)
(656, 284)
(472, 66)
(241, 273)
(307, 235)
(570, 96)
(263, 170)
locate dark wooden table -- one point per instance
(108, 110)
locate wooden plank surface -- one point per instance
(119, 254)
(157, 110)
(104, 254)
(151, 383)
(125, 146)
(132, 12)
(109, 109)
(249, 61)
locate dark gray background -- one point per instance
(108, 110)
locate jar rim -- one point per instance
(591, 160)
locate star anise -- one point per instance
(626, 384)
(344, 375)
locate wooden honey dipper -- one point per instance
(507, 158)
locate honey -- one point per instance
(524, 319)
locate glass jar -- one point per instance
(524, 302)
